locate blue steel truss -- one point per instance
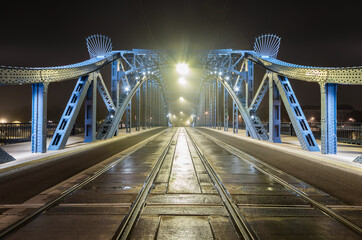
(227, 74)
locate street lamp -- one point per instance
(182, 81)
(182, 68)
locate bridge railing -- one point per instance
(347, 132)
(21, 132)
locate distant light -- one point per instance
(227, 77)
(174, 115)
(16, 121)
(188, 122)
(220, 73)
(206, 113)
(351, 119)
(3, 120)
(181, 112)
(182, 68)
(137, 77)
(182, 80)
(182, 99)
(126, 89)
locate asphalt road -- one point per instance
(345, 186)
(22, 185)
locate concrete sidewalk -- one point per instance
(346, 153)
(24, 157)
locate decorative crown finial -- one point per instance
(267, 45)
(98, 45)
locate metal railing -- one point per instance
(21, 132)
(346, 132)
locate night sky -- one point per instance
(312, 34)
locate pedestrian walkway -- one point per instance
(24, 157)
(346, 153)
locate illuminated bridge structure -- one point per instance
(227, 74)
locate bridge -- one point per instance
(186, 175)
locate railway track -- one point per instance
(292, 185)
(185, 184)
(12, 230)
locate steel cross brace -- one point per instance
(296, 115)
(70, 113)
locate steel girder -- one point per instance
(296, 115)
(274, 112)
(226, 109)
(70, 113)
(328, 118)
(90, 103)
(133, 62)
(39, 117)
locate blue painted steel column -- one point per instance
(138, 110)
(115, 79)
(115, 83)
(249, 94)
(329, 118)
(214, 107)
(149, 102)
(235, 118)
(218, 105)
(249, 91)
(144, 104)
(39, 117)
(274, 112)
(128, 117)
(226, 110)
(90, 104)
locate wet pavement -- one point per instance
(273, 211)
(183, 202)
(97, 210)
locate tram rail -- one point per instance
(268, 171)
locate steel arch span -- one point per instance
(138, 74)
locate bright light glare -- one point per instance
(126, 89)
(182, 80)
(182, 68)
(3, 120)
(181, 112)
(182, 99)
